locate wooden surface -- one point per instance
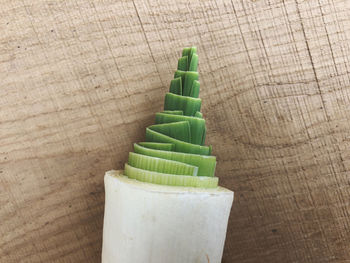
(80, 81)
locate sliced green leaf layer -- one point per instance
(186, 51)
(170, 179)
(197, 125)
(193, 63)
(177, 130)
(158, 146)
(188, 105)
(206, 164)
(198, 114)
(195, 89)
(176, 86)
(190, 77)
(174, 112)
(161, 165)
(180, 74)
(180, 146)
(183, 63)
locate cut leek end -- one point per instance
(173, 112)
(206, 164)
(158, 145)
(120, 175)
(160, 165)
(170, 179)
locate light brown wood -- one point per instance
(80, 81)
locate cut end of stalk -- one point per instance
(170, 179)
(120, 175)
(174, 152)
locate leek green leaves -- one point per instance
(174, 152)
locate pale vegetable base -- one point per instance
(148, 223)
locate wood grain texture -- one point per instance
(80, 81)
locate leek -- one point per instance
(166, 206)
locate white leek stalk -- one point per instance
(149, 223)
